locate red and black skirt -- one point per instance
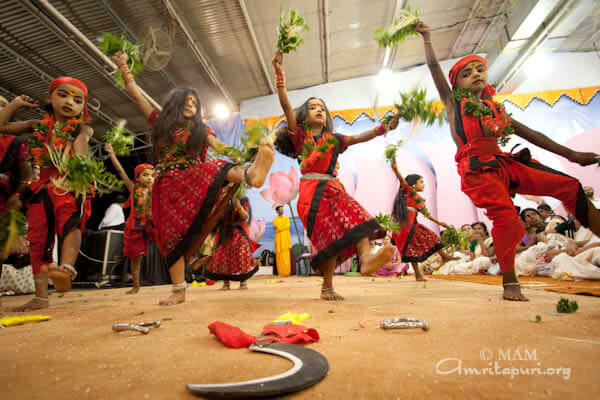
(183, 197)
(420, 242)
(233, 259)
(334, 221)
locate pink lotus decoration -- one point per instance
(283, 188)
(257, 229)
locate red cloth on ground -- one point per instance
(235, 338)
(231, 336)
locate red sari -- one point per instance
(414, 241)
(334, 221)
(233, 259)
(183, 196)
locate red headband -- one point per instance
(488, 91)
(138, 170)
(67, 80)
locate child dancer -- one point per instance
(233, 260)
(335, 223)
(489, 176)
(138, 227)
(187, 186)
(50, 209)
(415, 242)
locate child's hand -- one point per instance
(25, 101)
(393, 123)
(109, 149)
(584, 159)
(120, 58)
(277, 61)
(422, 28)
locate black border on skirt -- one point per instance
(196, 225)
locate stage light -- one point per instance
(222, 111)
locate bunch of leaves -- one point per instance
(402, 28)
(12, 225)
(248, 149)
(111, 44)
(414, 108)
(391, 150)
(290, 26)
(120, 142)
(566, 306)
(387, 222)
(82, 174)
(537, 319)
(453, 239)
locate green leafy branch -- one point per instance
(111, 44)
(81, 174)
(402, 28)
(453, 239)
(387, 222)
(120, 142)
(391, 150)
(248, 150)
(288, 31)
(414, 108)
(12, 225)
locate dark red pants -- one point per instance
(489, 182)
(51, 213)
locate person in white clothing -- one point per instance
(114, 217)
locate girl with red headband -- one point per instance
(187, 186)
(233, 259)
(51, 210)
(138, 227)
(335, 223)
(490, 176)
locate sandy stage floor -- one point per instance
(76, 355)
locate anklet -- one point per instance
(511, 284)
(179, 287)
(71, 270)
(326, 289)
(41, 298)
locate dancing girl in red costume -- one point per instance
(490, 176)
(186, 186)
(335, 223)
(138, 227)
(52, 210)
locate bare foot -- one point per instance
(34, 304)
(225, 287)
(418, 274)
(257, 172)
(330, 294)
(243, 286)
(176, 298)
(61, 277)
(133, 290)
(370, 263)
(512, 292)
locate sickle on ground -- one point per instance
(309, 368)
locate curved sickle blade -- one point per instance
(309, 368)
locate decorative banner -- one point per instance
(522, 100)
